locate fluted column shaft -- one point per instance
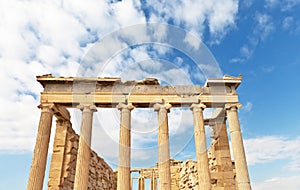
(39, 160)
(164, 172)
(123, 182)
(200, 145)
(83, 156)
(242, 175)
(141, 183)
(153, 181)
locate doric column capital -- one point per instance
(197, 107)
(46, 107)
(233, 106)
(87, 107)
(162, 106)
(128, 106)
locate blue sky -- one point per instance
(256, 38)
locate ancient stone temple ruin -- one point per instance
(75, 166)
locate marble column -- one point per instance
(39, 160)
(242, 175)
(123, 182)
(200, 145)
(164, 172)
(84, 151)
(153, 181)
(141, 183)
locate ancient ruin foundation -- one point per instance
(75, 166)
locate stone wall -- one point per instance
(184, 175)
(188, 175)
(220, 162)
(63, 163)
(175, 173)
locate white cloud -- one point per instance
(96, 16)
(287, 22)
(291, 25)
(290, 4)
(246, 52)
(218, 14)
(290, 183)
(127, 13)
(267, 69)
(248, 107)
(247, 3)
(264, 25)
(271, 3)
(17, 130)
(271, 148)
(189, 39)
(222, 17)
(236, 60)
(284, 5)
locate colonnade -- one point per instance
(37, 170)
(142, 184)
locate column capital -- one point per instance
(197, 107)
(46, 107)
(128, 106)
(233, 106)
(87, 107)
(159, 106)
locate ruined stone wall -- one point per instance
(184, 175)
(63, 163)
(220, 162)
(188, 175)
(175, 174)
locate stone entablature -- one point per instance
(108, 92)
